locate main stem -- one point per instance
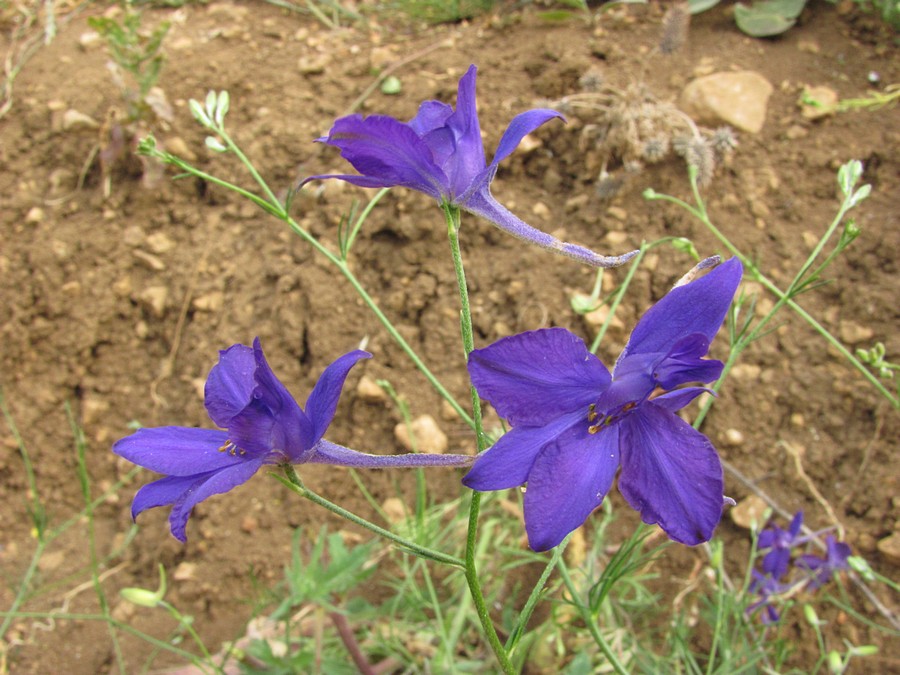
(452, 217)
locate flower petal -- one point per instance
(163, 491)
(388, 153)
(507, 462)
(685, 363)
(217, 483)
(568, 481)
(697, 307)
(481, 203)
(326, 452)
(673, 401)
(432, 115)
(466, 162)
(229, 386)
(323, 399)
(671, 474)
(520, 126)
(533, 377)
(272, 420)
(176, 451)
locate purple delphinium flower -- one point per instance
(821, 570)
(768, 587)
(440, 152)
(574, 424)
(778, 559)
(262, 423)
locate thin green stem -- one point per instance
(522, 622)
(293, 482)
(589, 620)
(452, 217)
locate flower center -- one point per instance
(232, 449)
(598, 423)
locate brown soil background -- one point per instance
(75, 326)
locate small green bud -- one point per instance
(141, 597)
(864, 650)
(848, 175)
(391, 85)
(198, 113)
(811, 617)
(145, 598)
(861, 566)
(215, 144)
(835, 664)
(210, 104)
(685, 245)
(717, 549)
(223, 103)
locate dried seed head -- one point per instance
(680, 144)
(700, 154)
(723, 141)
(676, 23)
(591, 81)
(655, 149)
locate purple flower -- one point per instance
(574, 424)
(767, 587)
(821, 570)
(262, 425)
(440, 152)
(777, 561)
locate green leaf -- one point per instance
(764, 19)
(697, 6)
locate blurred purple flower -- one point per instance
(262, 423)
(768, 588)
(574, 424)
(821, 570)
(778, 559)
(440, 152)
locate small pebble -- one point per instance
(426, 433)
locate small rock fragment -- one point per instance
(853, 334)
(155, 298)
(818, 102)
(748, 512)
(368, 390)
(74, 120)
(889, 547)
(734, 437)
(739, 99)
(426, 433)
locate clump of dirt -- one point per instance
(117, 305)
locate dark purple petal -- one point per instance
(389, 153)
(326, 452)
(671, 474)
(697, 307)
(533, 377)
(481, 203)
(217, 483)
(176, 451)
(230, 384)
(521, 125)
(685, 363)
(568, 480)
(273, 420)
(466, 162)
(323, 399)
(163, 491)
(507, 462)
(432, 115)
(674, 401)
(776, 562)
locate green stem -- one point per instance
(589, 621)
(522, 622)
(293, 482)
(452, 217)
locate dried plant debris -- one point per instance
(675, 25)
(627, 129)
